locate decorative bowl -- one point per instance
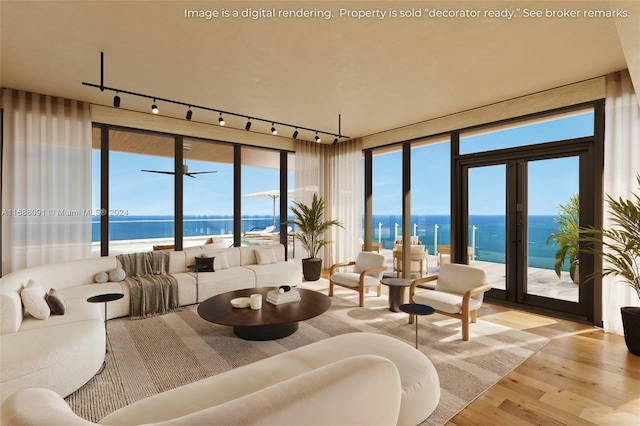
(241, 302)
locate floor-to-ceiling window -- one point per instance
(525, 183)
(141, 191)
(207, 193)
(260, 195)
(134, 182)
(431, 196)
(387, 196)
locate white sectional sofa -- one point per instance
(63, 352)
(350, 379)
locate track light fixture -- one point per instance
(189, 114)
(335, 141)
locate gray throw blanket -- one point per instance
(153, 290)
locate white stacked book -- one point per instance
(277, 298)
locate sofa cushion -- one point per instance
(78, 310)
(266, 256)
(56, 302)
(70, 273)
(277, 274)
(102, 277)
(221, 261)
(33, 299)
(213, 283)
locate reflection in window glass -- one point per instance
(566, 126)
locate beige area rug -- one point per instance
(153, 355)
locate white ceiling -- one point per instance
(378, 74)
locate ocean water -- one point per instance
(489, 231)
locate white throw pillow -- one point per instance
(266, 256)
(221, 261)
(117, 275)
(101, 277)
(33, 299)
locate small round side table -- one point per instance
(417, 309)
(397, 291)
(106, 298)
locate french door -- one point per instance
(517, 206)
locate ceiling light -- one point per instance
(335, 141)
(154, 107)
(189, 114)
(273, 129)
(295, 134)
(248, 125)
(317, 138)
(221, 120)
(116, 101)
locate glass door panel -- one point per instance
(487, 207)
(552, 224)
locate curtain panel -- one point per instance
(622, 164)
(46, 180)
(346, 199)
(309, 178)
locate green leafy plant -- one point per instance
(567, 235)
(620, 245)
(310, 225)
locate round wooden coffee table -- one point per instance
(268, 323)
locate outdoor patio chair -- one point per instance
(457, 291)
(260, 233)
(418, 261)
(366, 273)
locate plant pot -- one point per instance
(311, 268)
(631, 325)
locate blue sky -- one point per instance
(552, 182)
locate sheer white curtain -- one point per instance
(309, 179)
(46, 180)
(622, 164)
(345, 194)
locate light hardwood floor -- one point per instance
(582, 377)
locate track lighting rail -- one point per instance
(190, 106)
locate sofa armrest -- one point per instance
(38, 406)
(361, 390)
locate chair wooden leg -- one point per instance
(379, 290)
(474, 316)
(361, 298)
(330, 289)
(411, 318)
(465, 326)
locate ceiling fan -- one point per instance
(185, 167)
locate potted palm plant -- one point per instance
(620, 251)
(566, 237)
(310, 229)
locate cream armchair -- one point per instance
(458, 291)
(366, 273)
